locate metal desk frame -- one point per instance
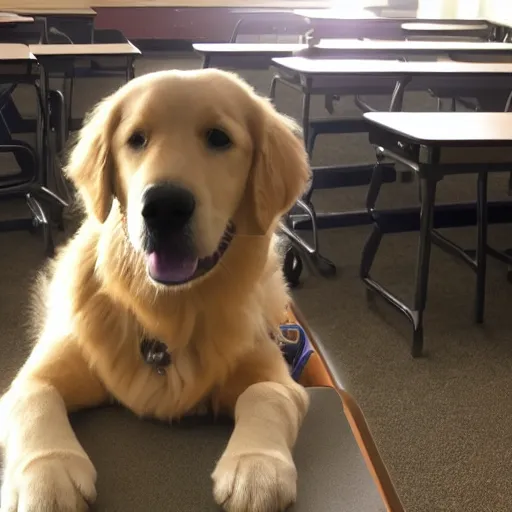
(427, 160)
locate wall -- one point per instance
(6, 5)
(497, 10)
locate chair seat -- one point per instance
(144, 465)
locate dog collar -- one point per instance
(156, 354)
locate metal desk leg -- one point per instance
(206, 61)
(44, 126)
(481, 250)
(396, 105)
(306, 106)
(373, 242)
(428, 196)
(56, 204)
(130, 69)
(41, 185)
(414, 314)
(507, 109)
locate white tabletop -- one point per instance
(447, 127)
(355, 45)
(336, 67)
(442, 27)
(413, 46)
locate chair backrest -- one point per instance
(271, 27)
(108, 36)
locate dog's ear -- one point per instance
(90, 166)
(280, 170)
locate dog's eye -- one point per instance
(137, 140)
(217, 139)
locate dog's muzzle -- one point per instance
(167, 210)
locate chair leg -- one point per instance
(69, 101)
(329, 103)
(310, 146)
(481, 251)
(428, 196)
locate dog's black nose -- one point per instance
(168, 207)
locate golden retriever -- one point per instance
(183, 176)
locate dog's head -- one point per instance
(192, 158)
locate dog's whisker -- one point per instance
(225, 267)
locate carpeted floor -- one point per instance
(443, 422)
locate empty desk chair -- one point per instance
(272, 26)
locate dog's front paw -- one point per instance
(254, 483)
(57, 484)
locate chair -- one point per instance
(25, 33)
(282, 26)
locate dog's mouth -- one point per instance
(173, 264)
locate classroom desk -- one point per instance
(19, 66)
(136, 474)
(355, 48)
(354, 77)
(435, 145)
(63, 58)
(75, 23)
(146, 465)
(243, 55)
(260, 55)
(126, 50)
(60, 57)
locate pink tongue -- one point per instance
(170, 268)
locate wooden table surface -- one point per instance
(10, 51)
(44, 50)
(448, 128)
(10, 17)
(42, 11)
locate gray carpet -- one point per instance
(443, 422)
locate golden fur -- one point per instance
(100, 302)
